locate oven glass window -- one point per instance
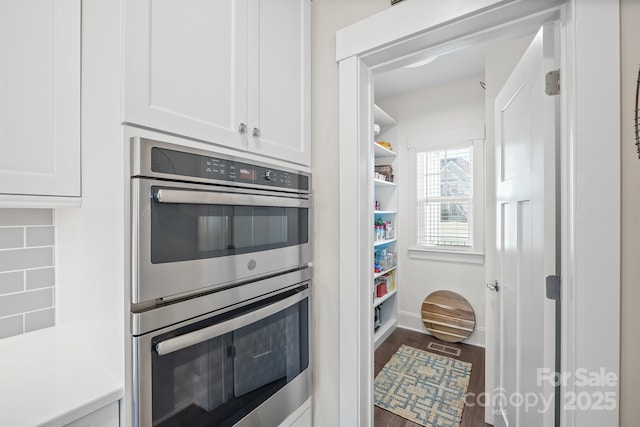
(219, 381)
(182, 232)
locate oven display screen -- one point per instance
(247, 174)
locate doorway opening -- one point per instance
(446, 101)
(415, 28)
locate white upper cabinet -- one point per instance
(185, 68)
(229, 72)
(39, 98)
(279, 79)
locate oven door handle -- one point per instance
(168, 195)
(196, 337)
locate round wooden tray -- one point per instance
(448, 316)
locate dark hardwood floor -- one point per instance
(472, 416)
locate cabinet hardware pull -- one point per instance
(255, 132)
(168, 195)
(201, 335)
(242, 128)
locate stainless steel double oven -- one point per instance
(221, 288)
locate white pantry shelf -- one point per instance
(384, 331)
(378, 301)
(383, 183)
(383, 242)
(380, 151)
(383, 272)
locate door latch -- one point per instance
(493, 286)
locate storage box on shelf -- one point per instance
(385, 285)
(384, 233)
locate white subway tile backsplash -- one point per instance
(11, 237)
(38, 320)
(41, 278)
(23, 302)
(40, 236)
(27, 270)
(22, 217)
(11, 282)
(22, 259)
(10, 326)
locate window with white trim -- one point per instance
(445, 197)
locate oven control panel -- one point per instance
(180, 163)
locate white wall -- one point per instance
(327, 17)
(90, 252)
(430, 110)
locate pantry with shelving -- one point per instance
(385, 209)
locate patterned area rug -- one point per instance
(423, 387)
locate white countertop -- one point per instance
(46, 379)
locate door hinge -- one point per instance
(552, 83)
(553, 287)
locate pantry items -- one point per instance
(377, 318)
(384, 259)
(385, 284)
(384, 215)
(385, 144)
(384, 173)
(383, 230)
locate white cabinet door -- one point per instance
(40, 97)
(185, 68)
(204, 69)
(279, 79)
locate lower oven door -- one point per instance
(246, 367)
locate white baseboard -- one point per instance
(413, 321)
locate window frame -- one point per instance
(429, 142)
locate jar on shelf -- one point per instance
(388, 230)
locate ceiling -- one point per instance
(455, 66)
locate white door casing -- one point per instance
(590, 133)
(356, 319)
(526, 137)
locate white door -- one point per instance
(185, 68)
(40, 97)
(526, 239)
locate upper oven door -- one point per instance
(190, 238)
